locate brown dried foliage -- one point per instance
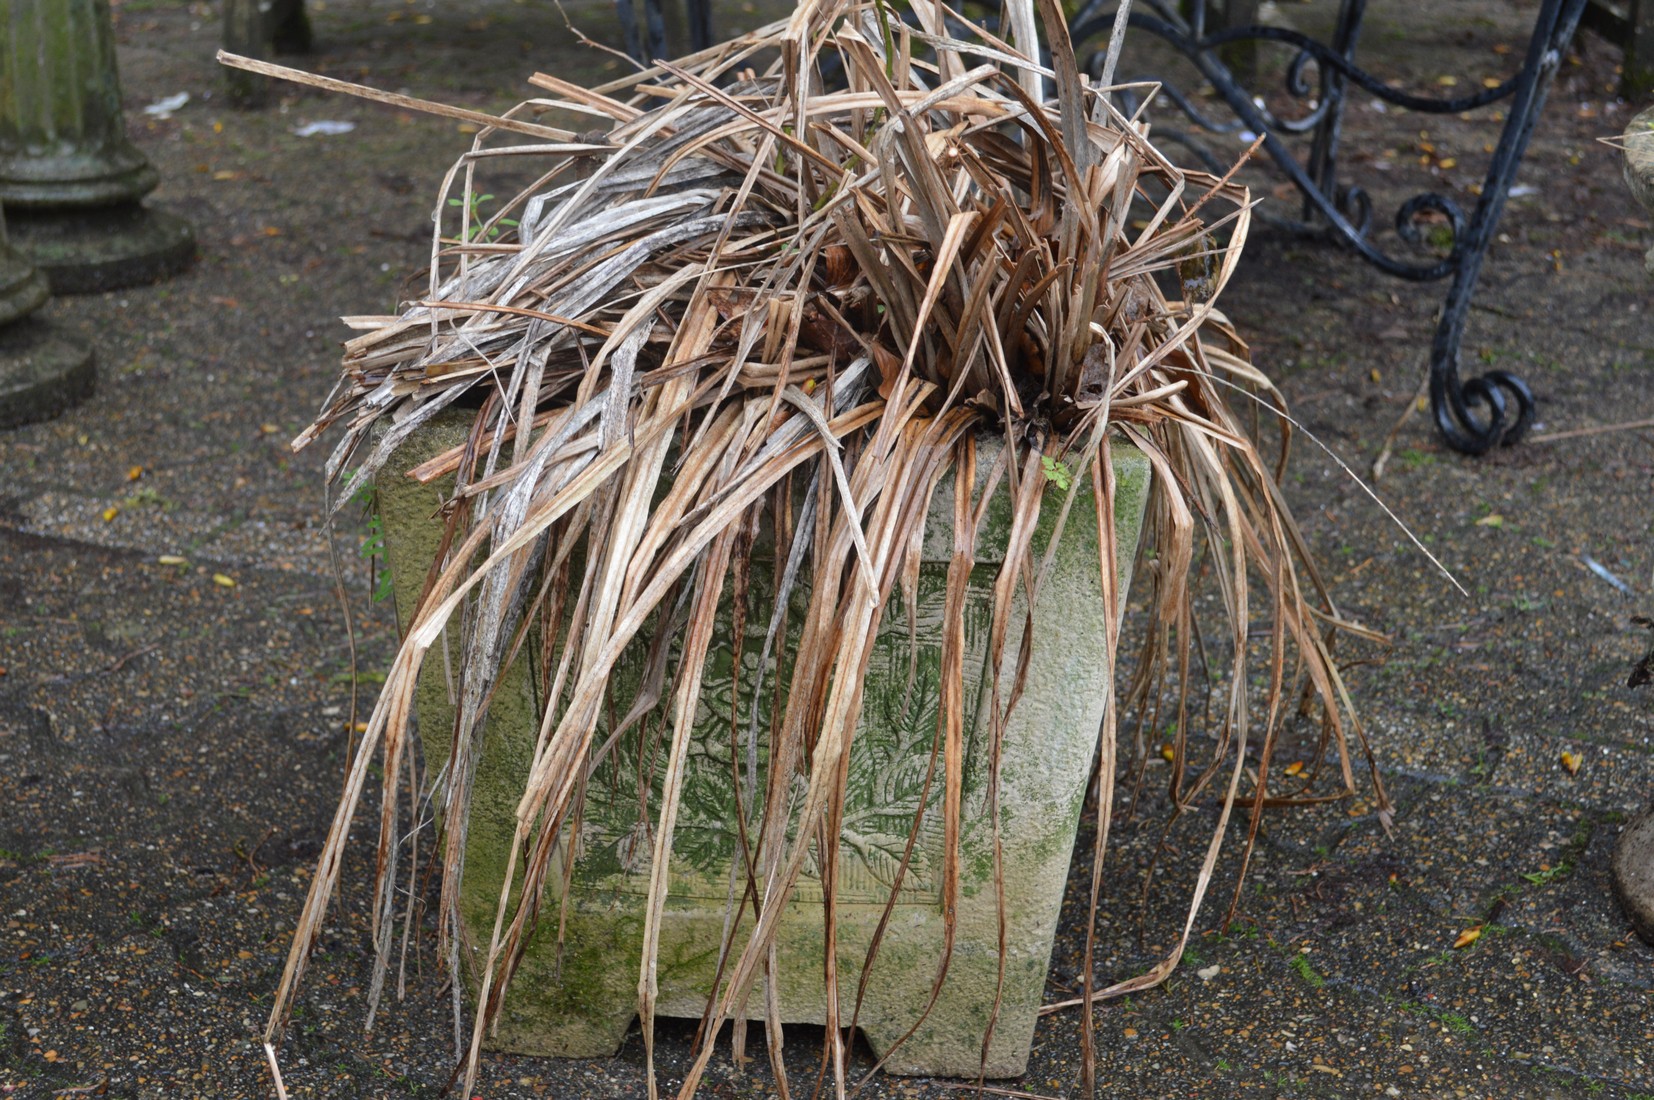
(743, 281)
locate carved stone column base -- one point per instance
(86, 250)
(22, 288)
(41, 373)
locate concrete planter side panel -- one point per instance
(582, 1004)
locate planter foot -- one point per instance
(87, 250)
(574, 1032)
(949, 1042)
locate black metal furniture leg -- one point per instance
(1323, 152)
(700, 24)
(1451, 398)
(1473, 415)
(627, 13)
(656, 24)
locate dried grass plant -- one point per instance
(835, 251)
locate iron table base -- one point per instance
(1473, 414)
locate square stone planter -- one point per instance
(582, 1004)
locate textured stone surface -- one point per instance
(22, 287)
(1639, 165)
(584, 1008)
(1633, 866)
(42, 372)
(1634, 872)
(86, 251)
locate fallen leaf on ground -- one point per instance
(1572, 761)
(1294, 768)
(1493, 519)
(1468, 937)
(135, 473)
(110, 513)
(222, 580)
(172, 559)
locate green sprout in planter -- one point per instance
(477, 225)
(1057, 473)
(372, 548)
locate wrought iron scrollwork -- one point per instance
(1473, 415)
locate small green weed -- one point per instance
(147, 497)
(1540, 878)
(373, 544)
(1057, 473)
(478, 219)
(1300, 963)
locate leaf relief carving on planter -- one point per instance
(889, 764)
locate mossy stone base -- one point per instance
(22, 287)
(86, 250)
(41, 373)
(582, 1003)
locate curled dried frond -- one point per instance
(783, 286)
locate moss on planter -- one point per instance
(581, 1002)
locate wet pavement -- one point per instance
(172, 733)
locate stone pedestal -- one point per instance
(41, 373)
(582, 1003)
(69, 179)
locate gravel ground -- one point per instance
(172, 735)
